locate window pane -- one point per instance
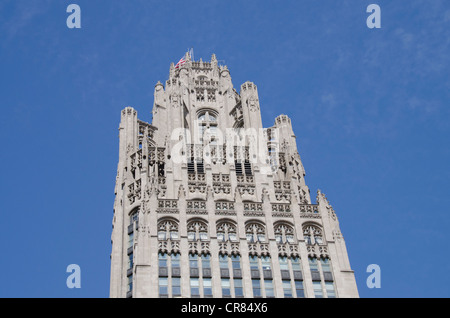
(176, 289)
(195, 291)
(206, 261)
(225, 287)
(175, 259)
(130, 239)
(261, 238)
(162, 260)
(238, 290)
(317, 289)
(163, 290)
(130, 260)
(283, 263)
(256, 288)
(191, 236)
(325, 264)
(265, 262)
(318, 239)
(223, 261)
(313, 264)
(299, 289)
(287, 288)
(235, 261)
(308, 239)
(269, 288)
(253, 262)
(295, 264)
(207, 287)
(278, 238)
(193, 263)
(330, 290)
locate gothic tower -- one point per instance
(211, 204)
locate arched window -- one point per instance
(284, 233)
(167, 229)
(134, 215)
(197, 230)
(226, 231)
(207, 126)
(255, 232)
(312, 234)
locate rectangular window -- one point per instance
(313, 265)
(248, 168)
(130, 239)
(175, 260)
(299, 289)
(130, 261)
(329, 287)
(325, 262)
(226, 290)
(193, 261)
(176, 287)
(283, 263)
(163, 286)
(238, 167)
(238, 289)
(195, 290)
(200, 168)
(130, 283)
(254, 262)
(223, 261)
(308, 239)
(174, 235)
(207, 287)
(190, 166)
(266, 263)
(206, 263)
(261, 238)
(256, 285)
(162, 260)
(278, 238)
(268, 286)
(295, 261)
(287, 289)
(317, 290)
(235, 262)
(162, 235)
(191, 236)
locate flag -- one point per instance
(180, 62)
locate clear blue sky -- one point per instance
(370, 109)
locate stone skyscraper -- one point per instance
(211, 204)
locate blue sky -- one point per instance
(370, 109)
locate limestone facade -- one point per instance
(211, 204)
